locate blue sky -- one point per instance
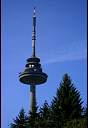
(61, 46)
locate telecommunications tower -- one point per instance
(33, 75)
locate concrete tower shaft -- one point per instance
(32, 97)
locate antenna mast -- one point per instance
(33, 34)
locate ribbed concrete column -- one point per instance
(32, 97)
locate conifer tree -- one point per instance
(56, 114)
(67, 104)
(20, 121)
(33, 118)
(66, 107)
(44, 113)
(44, 110)
(85, 112)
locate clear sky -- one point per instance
(61, 45)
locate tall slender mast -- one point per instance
(33, 34)
(32, 86)
(33, 74)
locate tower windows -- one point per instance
(31, 65)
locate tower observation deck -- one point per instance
(33, 74)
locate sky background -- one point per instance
(61, 46)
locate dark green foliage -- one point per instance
(33, 118)
(56, 114)
(76, 123)
(65, 111)
(44, 113)
(67, 104)
(20, 121)
(68, 98)
(85, 112)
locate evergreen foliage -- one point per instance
(33, 118)
(20, 121)
(67, 103)
(85, 112)
(68, 99)
(44, 114)
(76, 123)
(65, 111)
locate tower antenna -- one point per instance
(33, 33)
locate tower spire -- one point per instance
(34, 10)
(33, 34)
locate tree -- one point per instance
(67, 103)
(65, 110)
(85, 112)
(76, 123)
(20, 121)
(33, 118)
(44, 113)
